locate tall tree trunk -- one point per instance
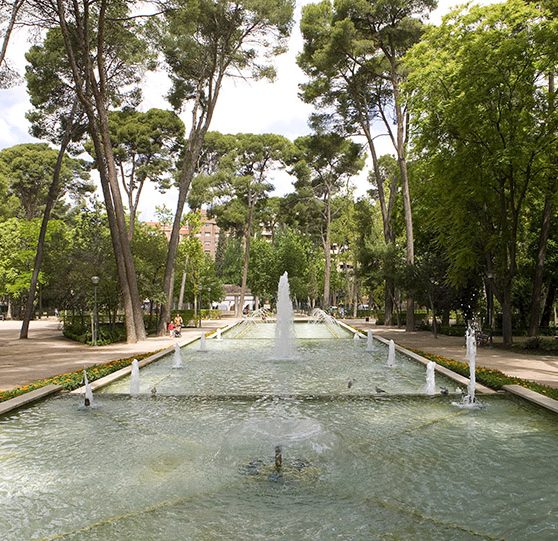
(91, 94)
(536, 295)
(548, 306)
(507, 330)
(402, 161)
(122, 230)
(186, 176)
(548, 212)
(389, 294)
(246, 259)
(11, 23)
(52, 197)
(182, 288)
(326, 239)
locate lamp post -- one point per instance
(95, 280)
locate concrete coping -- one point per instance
(458, 378)
(28, 398)
(110, 378)
(532, 396)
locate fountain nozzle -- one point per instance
(278, 458)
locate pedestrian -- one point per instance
(170, 328)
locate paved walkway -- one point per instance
(540, 368)
(47, 353)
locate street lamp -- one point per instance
(95, 280)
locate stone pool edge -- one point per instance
(458, 378)
(103, 382)
(526, 394)
(28, 398)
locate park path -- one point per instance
(47, 352)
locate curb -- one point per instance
(29, 398)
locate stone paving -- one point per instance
(47, 353)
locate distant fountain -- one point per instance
(135, 379)
(391, 354)
(203, 345)
(177, 356)
(218, 335)
(369, 341)
(320, 316)
(430, 387)
(356, 337)
(284, 327)
(88, 390)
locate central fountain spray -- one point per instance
(284, 327)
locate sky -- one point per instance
(244, 106)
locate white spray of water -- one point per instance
(356, 337)
(203, 345)
(391, 354)
(177, 356)
(430, 387)
(135, 379)
(284, 334)
(88, 390)
(369, 341)
(218, 335)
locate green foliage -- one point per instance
(29, 168)
(204, 41)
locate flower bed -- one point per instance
(73, 380)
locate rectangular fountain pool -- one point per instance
(196, 462)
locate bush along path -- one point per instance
(72, 380)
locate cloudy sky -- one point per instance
(252, 107)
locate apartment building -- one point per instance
(208, 235)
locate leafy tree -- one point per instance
(228, 264)
(30, 167)
(353, 54)
(56, 116)
(146, 147)
(485, 127)
(238, 182)
(205, 41)
(105, 57)
(327, 162)
(262, 269)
